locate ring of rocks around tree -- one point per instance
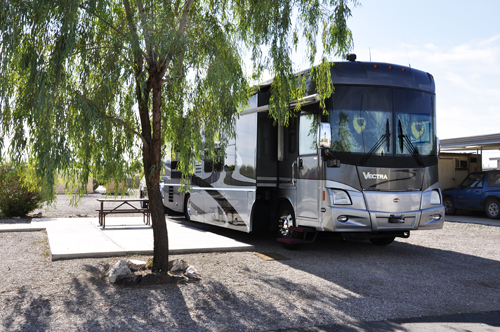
(124, 273)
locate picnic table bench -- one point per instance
(124, 207)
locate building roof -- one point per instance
(471, 143)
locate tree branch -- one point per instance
(135, 38)
(103, 20)
(182, 27)
(144, 25)
(185, 13)
(84, 48)
(169, 79)
(126, 126)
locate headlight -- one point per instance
(435, 197)
(340, 197)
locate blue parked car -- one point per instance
(479, 191)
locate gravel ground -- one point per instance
(454, 270)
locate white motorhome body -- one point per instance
(367, 169)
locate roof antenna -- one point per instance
(409, 65)
(370, 51)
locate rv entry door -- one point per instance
(308, 180)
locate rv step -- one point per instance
(308, 236)
(302, 229)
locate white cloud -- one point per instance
(467, 84)
(491, 40)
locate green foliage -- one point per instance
(91, 87)
(73, 74)
(19, 193)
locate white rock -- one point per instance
(191, 269)
(192, 274)
(179, 265)
(136, 265)
(120, 269)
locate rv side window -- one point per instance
(218, 161)
(208, 163)
(230, 158)
(214, 164)
(208, 166)
(307, 134)
(175, 172)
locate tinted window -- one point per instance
(474, 180)
(494, 179)
(361, 119)
(230, 158)
(215, 163)
(208, 165)
(308, 128)
(414, 118)
(246, 146)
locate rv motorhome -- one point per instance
(368, 169)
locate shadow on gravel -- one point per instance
(401, 280)
(34, 312)
(323, 283)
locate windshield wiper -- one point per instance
(405, 141)
(379, 143)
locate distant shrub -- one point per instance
(19, 194)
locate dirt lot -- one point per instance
(454, 270)
(64, 208)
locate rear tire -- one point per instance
(449, 207)
(187, 208)
(385, 241)
(492, 208)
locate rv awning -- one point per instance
(307, 100)
(471, 143)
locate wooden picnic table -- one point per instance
(124, 207)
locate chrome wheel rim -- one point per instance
(286, 221)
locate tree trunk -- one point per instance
(152, 168)
(160, 234)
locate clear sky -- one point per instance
(457, 41)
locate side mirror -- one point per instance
(324, 136)
(324, 143)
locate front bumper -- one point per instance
(341, 219)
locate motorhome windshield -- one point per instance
(382, 121)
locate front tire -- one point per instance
(286, 219)
(492, 208)
(449, 207)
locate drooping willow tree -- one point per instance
(92, 88)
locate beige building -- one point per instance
(461, 156)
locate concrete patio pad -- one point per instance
(84, 238)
